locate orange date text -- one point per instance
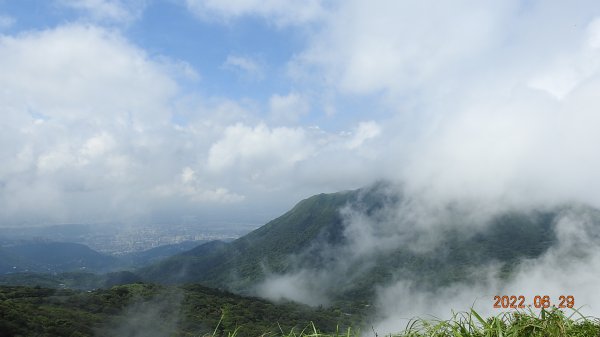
(539, 301)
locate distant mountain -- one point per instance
(58, 233)
(311, 236)
(40, 256)
(59, 257)
(11, 263)
(138, 259)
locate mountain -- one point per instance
(41, 256)
(11, 263)
(139, 259)
(59, 257)
(216, 263)
(314, 237)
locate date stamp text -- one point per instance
(539, 301)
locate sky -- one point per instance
(172, 111)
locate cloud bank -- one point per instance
(473, 101)
(95, 129)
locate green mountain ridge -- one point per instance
(311, 237)
(216, 263)
(36, 256)
(312, 241)
(52, 257)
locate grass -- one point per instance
(546, 323)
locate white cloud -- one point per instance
(76, 72)
(260, 150)
(466, 99)
(294, 287)
(6, 21)
(288, 108)
(487, 100)
(402, 45)
(364, 132)
(190, 186)
(87, 127)
(98, 145)
(122, 11)
(245, 65)
(570, 68)
(80, 107)
(281, 12)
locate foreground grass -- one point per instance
(546, 323)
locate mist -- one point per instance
(157, 316)
(569, 266)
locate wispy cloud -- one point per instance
(247, 67)
(121, 11)
(6, 21)
(288, 109)
(282, 13)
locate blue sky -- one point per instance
(169, 29)
(141, 111)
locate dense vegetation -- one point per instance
(152, 310)
(75, 280)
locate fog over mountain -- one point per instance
(551, 252)
(402, 256)
(112, 113)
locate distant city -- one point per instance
(117, 240)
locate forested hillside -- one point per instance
(152, 310)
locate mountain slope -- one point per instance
(10, 263)
(216, 263)
(314, 238)
(138, 259)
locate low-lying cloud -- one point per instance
(569, 267)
